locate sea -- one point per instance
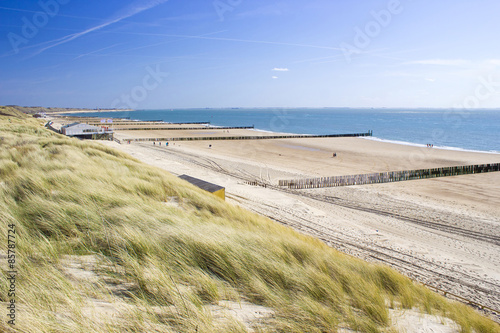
(456, 129)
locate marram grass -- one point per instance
(162, 267)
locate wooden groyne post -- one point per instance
(388, 177)
(256, 137)
(180, 128)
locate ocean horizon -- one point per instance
(457, 129)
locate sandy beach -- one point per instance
(444, 232)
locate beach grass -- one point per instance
(11, 112)
(163, 254)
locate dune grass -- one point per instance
(11, 112)
(172, 262)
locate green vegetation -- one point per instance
(163, 253)
(36, 109)
(11, 112)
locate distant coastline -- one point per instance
(87, 111)
(55, 110)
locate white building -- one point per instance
(85, 131)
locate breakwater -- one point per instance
(129, 123)
(166, 128)
(251, 137)
(388, 177)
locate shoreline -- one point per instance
(258, 130)
(420, 145)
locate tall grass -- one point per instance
(164, 266)
(11, 112)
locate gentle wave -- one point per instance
(413, 144)
(271, 132)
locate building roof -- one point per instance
(69, 125)
(202, 184)
(79, 125)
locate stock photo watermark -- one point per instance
(279, 121)
(139, 93)
(224, 6)
(31, 25)
(11, 274)
(486, 88)
(363, 36)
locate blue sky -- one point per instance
(241, 53)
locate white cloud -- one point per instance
(439, 62)
(495, 62)
(275, 77)
(280, 69)
(431, 80)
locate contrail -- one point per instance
(130, 11)
(234, 40)
(161, 43)
(104, 48)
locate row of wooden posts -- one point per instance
(256, 137)
(149, 122)
(122, 123)
(94, 119)
(180, 128)
(388, 177)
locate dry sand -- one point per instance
(206, 132)
(444, 232)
